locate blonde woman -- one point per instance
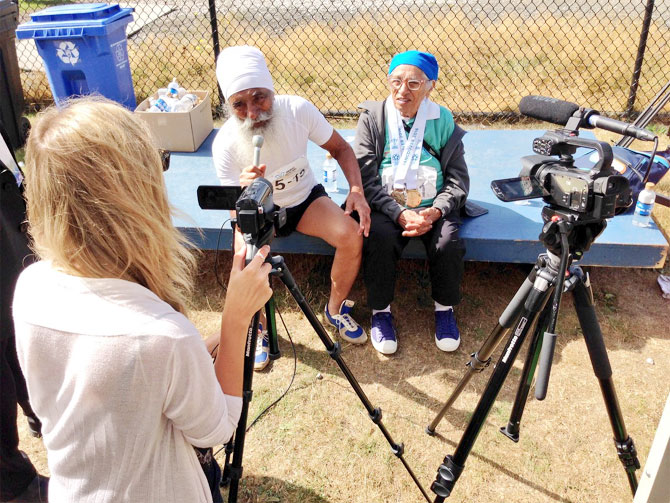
(119, 377)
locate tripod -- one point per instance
(566, 235)
(280, 270)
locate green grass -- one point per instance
(30, 6)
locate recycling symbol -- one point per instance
(67, 52)
(119, 53)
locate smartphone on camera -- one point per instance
(218, 197)
(517, 189)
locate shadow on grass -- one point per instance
(255, 489)
(487, 290)
(510, 473)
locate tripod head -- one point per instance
(581, 230)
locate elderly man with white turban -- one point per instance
(286, 123)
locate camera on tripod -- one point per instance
(257, 215)
(588, 194)
(594, 194)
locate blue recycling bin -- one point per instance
(85, 50)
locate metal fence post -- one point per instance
(215, 43)
(640, 57)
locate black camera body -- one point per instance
(594, 194)
(256, 211)
(257, 215)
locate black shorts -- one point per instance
(295, 213)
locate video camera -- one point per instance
(592, 195)
(257, 215)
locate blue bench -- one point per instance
(507, 233)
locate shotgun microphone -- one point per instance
(560, 112)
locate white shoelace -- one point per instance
(259, 341)
(346, 320)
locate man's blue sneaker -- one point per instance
(447, 336)
(262, 349)
(347, 327)
(383, 334)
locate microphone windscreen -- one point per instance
(547, 109)
(257, 141)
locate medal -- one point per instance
(399, 196)
(413, 198)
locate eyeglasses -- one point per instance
(412, 84)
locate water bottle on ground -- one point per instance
(329, 173)
(645, 203)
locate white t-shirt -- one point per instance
(123, 385)
(284, 152)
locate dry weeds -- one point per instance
(487, 65)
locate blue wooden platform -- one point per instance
(508, 233)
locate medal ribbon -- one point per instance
(405, 150)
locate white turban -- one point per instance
(242, 67)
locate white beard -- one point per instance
(242, 148)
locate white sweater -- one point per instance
(124, 387)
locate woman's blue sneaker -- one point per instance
(447, 336)
(346, 326)
(383, 334)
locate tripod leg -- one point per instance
(235, 469)
(452, 466)
(272, 328)
(512, 429)
(335, 350)
(595, 344)
(225, 476)
(481, 359)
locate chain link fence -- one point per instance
(336, 53)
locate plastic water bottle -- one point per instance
(159, 105)
(173, 88)
(645, 203)
(186, 103)
(329, 173)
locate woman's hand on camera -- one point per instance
(248, 287)
(250, 173)
(248, 290)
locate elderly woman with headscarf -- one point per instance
(416, 181)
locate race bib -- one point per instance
(292, 182)
(290, 175)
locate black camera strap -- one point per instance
(430, 149)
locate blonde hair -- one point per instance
(97, 202)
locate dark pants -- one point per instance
(16, 470)
(384, 246)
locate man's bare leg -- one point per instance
(326, 220)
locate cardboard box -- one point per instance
(180, 131)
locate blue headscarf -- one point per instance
(423, 60)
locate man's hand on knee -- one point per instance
(356, 202)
